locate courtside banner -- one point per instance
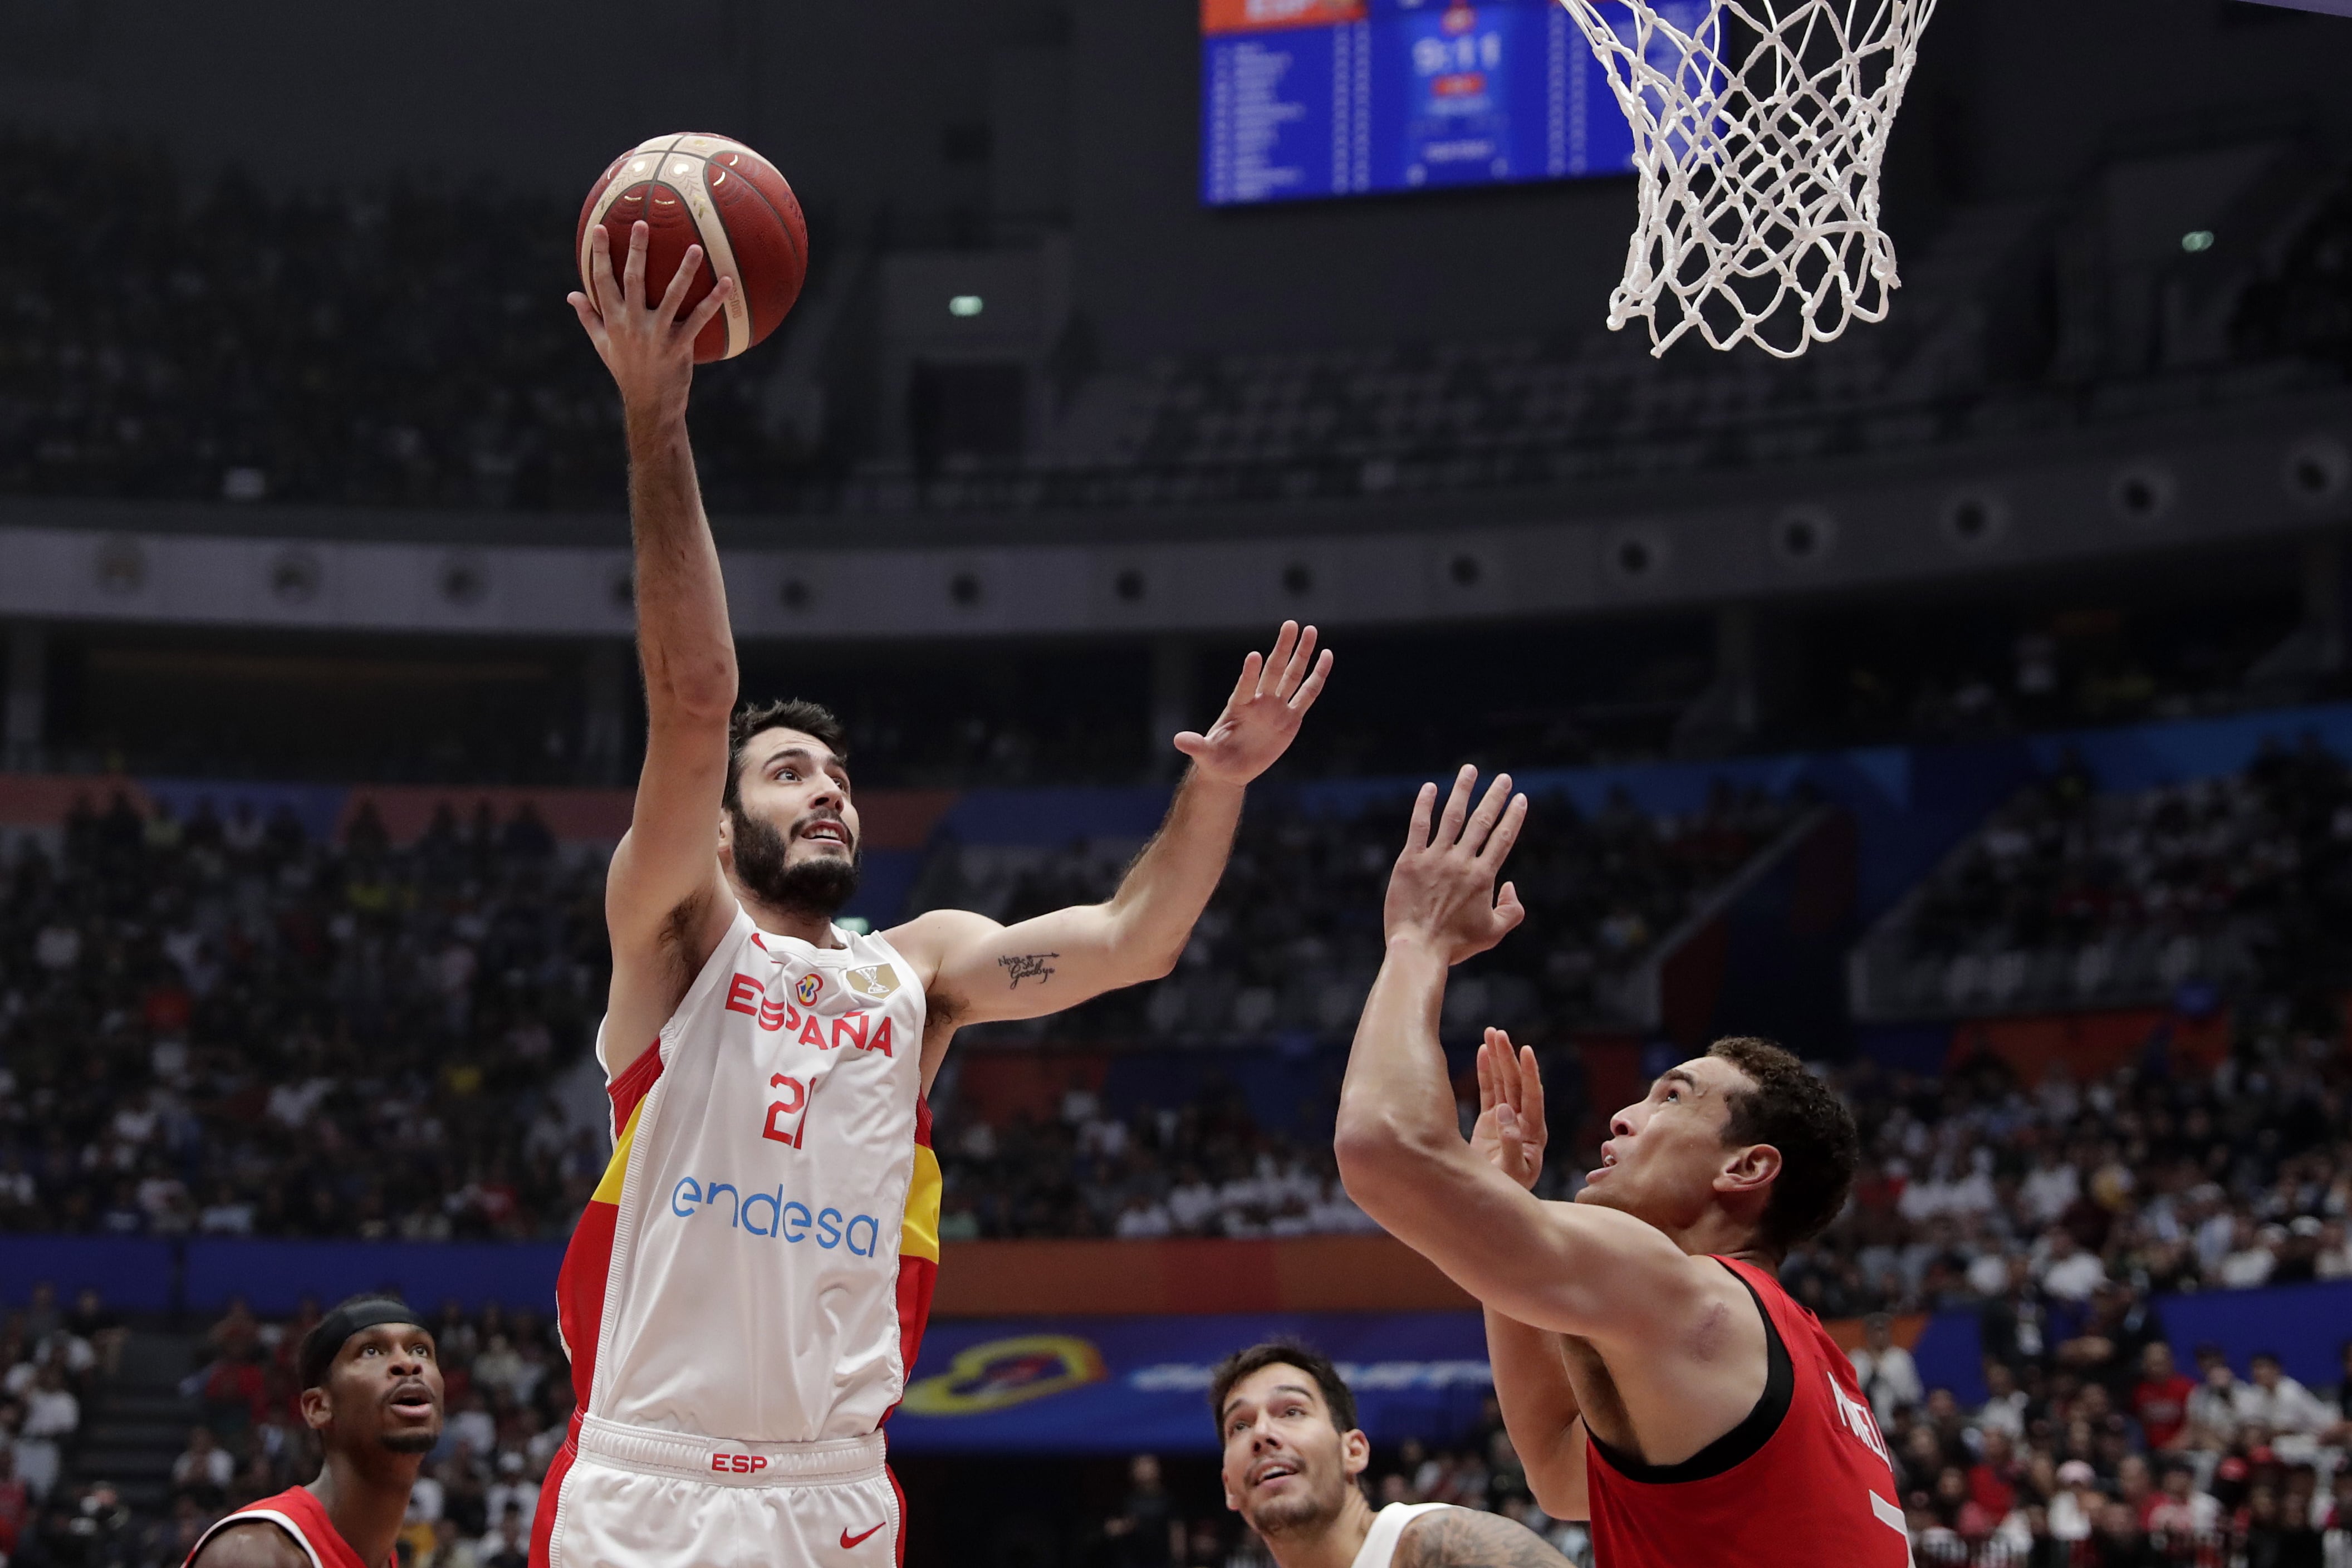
(1069, 1385)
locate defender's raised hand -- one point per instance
(649, 347)
(1443, 889)
(1261, 718)
(1510, 1132)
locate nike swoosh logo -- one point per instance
(848, 1540)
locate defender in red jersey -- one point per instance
(1655, 1378)
(371, 1390)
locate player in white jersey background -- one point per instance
(1293, 1467)
(745, 1292)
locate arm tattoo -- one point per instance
(1459, 1537)
(1027, 966)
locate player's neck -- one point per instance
(366, 1497)
(1721, 1235)
(803, 925)
(1333, 1546)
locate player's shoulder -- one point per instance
(251, 1544)
(1453, 1537)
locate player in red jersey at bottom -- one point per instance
(1655, 1377)
(371, 1390)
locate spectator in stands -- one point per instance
(103, 1330)
(15, 1498)
(514, 1490)
(2005, 1407)
(172, 1538)
(2075, 1508)
(2159, 1400)
(1147, 1531)
(2213, 1409)
(2278, 1403)
(2120, 1327)
(2181, 1508)
(1889, 1378)
(509, 1546)
(42, 1317)
(1994, 1479)
(2120, 1543)
(2013, 1327)
(2064, 1269)
(2338, 1396)
(52, 1416)
(204, 1469)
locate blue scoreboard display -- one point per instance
(1332, 98)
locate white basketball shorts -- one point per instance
(632, 1498)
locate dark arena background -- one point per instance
(1965, 703)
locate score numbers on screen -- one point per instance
(1304, 98)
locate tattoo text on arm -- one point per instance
(1024, 966)
(1459, 1537)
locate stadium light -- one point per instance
(966, 305)
(2197, 240)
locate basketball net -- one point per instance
(1760, 129)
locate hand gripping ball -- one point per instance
(709, 190)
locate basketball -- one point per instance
(716, 192)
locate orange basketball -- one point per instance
(708, 191)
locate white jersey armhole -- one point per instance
(266, 1516)
(1388, 1529)
(702, 981)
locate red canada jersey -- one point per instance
(1804, 1479)
(300, 1515)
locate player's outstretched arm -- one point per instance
(983, 970)
(1572, 1268)
(1531, 1379)
(664, 900)
(1466, 1538)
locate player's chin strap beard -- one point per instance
(814, 889)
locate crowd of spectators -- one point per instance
(402, 345)
(2068, 896)
(1287, 948)
(226, 1026)
(52, 1355)
(207, 339)
(1208, 1167)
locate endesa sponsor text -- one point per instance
(773, 1215)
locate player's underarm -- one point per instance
(1458, 1538)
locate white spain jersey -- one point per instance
(756, 1265)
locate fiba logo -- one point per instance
(807, 989)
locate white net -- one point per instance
(1760, 128)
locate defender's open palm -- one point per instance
(1443, 889)
(649, 347)
(1510, 1132)
(1262, 716)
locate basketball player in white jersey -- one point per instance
(1294, 1463)
(746, 1288)
(371, 1390)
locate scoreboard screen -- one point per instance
(1305, 99)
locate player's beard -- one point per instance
(816, 887)
(1302, 1515)
(410, 1441)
